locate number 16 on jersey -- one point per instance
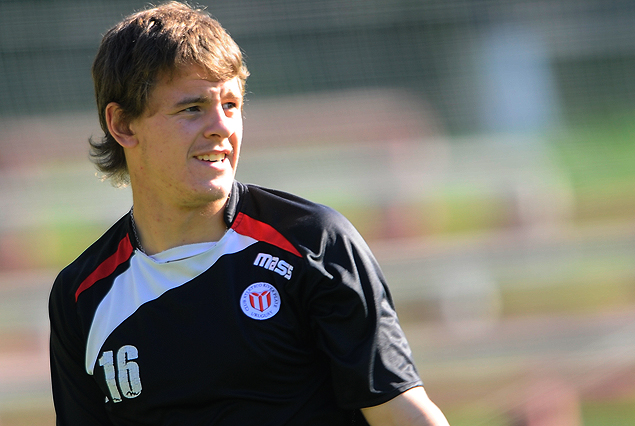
(125, 373)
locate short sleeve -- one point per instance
(355, 324)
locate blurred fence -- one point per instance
(485, 149)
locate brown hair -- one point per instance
(137, 51)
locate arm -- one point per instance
(411, 408)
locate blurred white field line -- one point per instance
(583, 348)
(423, 268)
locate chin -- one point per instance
(218, 192)
(205, 192)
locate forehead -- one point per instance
(189, 81)
(195, 76)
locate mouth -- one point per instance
(211, 158)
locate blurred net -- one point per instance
(481, 64)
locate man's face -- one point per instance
(188, 139)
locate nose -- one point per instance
(219, 125)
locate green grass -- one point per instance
(599, 159)
(613, 413)
(593, 413)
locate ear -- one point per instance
(119, 126)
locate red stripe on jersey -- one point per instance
(108, 266)
(260, 231)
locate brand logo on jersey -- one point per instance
(274, 264)
(260, 301)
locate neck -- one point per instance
(159, 229)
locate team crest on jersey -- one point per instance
(260, 301)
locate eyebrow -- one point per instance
(193, 100)
(206, 99)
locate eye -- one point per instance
(192, 109)
(230, 105)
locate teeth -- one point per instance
(211, 157)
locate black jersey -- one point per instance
(286, 320)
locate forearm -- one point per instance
(411, 408)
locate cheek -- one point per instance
(158, 156)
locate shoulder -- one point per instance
(70, 315)
(258, 200)
(114, 241)
(306, 224)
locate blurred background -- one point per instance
(484, 148)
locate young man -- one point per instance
(213, 302)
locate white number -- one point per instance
(128, 372)
(106, 361)
(129, 379)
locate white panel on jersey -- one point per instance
(147, 279)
